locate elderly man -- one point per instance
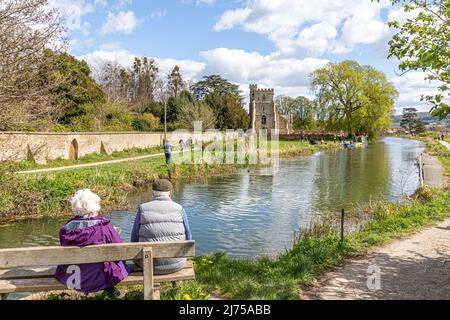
(162, 220)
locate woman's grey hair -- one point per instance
(85, 204)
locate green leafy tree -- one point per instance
(196, 110)
(409, 119)
(420, 126)
(215, 84)
(423, 43)
(77, 91)
(358, 99)
(303, 110)
(146, 122)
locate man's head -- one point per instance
(162, 187)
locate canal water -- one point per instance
(252, 213)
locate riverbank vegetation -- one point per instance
(48, 194)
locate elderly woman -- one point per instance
(89, 228)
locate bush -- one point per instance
(146, 122)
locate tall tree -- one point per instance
(215, 84)
(27, 29)
(144, 75)
(78, 89)
(423, 43)
(303, 112)
(351, 94)
(175, 82)
(409, 119)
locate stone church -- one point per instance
(264, 113)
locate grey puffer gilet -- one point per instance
(162, 221)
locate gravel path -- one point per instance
(415, 268)
(446, 144)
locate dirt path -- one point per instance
(415, 268)
(93, 164)
(434, 173)
(446, 144)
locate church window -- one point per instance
(264, 120)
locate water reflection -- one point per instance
(251, 214)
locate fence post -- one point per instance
(421, 176)
(342, 227)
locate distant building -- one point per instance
(264, 114)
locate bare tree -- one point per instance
(27, 29)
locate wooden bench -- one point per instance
(32, 269)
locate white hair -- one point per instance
(85, 204)
(161, 194)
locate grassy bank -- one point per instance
(47, 194)
(91, 158)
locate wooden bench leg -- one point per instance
(149, 283)
(157, 292)
(3, 296)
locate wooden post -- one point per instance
(342, 227)
(148, 274)
(421, 171)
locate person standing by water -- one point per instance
(167, 151)
(162, 220)
(181, 143)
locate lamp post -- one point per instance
(165, 119)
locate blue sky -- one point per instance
(271, 43)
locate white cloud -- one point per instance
(122, 22)
(73, 12)
(252, 67)
(103, 3)
(411, 87)
(158, 14)
(200, 2)
(302, 27)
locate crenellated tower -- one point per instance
(263, 113)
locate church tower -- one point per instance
(263, 113)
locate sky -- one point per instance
(272, 43)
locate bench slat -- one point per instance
(51, 284)
(47, 272)
(46, 256)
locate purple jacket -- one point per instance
(93, 277)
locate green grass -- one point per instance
(91, 158)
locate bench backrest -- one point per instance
(50, 256)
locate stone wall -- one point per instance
(16, 146)
(41, 147)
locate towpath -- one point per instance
(89, 165)
(415, 268)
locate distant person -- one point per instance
(86, 229)
(443, 137)
(167, 151)
(162, 220)
(181, 144)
